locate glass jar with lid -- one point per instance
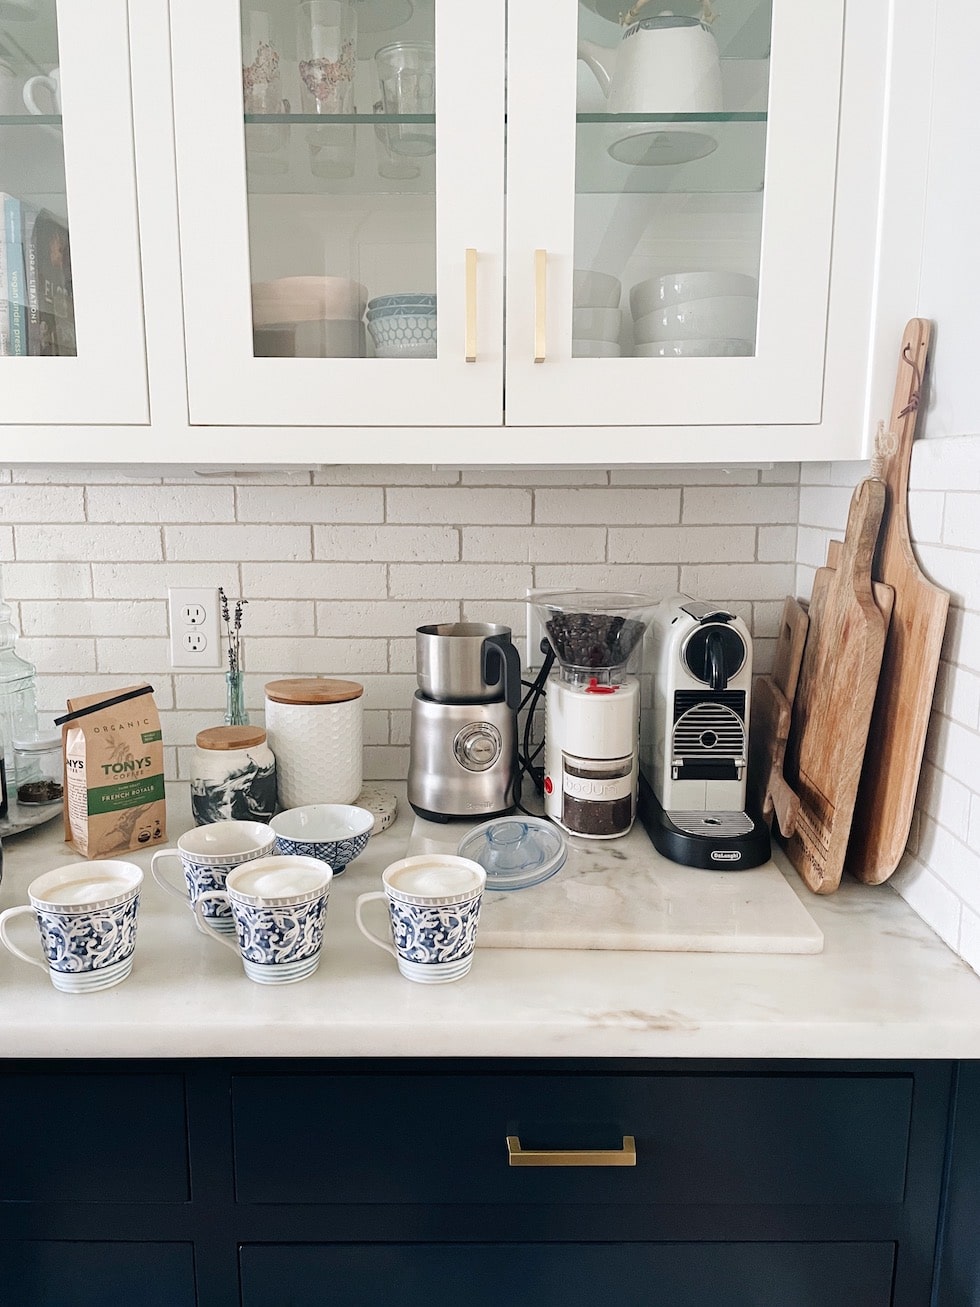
(234, 775)
(18, 705)
(38, 767)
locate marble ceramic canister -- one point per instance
(315, 729)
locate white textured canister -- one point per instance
(315, 729)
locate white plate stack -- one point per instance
(596, 315)
(695, 315)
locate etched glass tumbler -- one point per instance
(326, 48)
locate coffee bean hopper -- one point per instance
(592, 709)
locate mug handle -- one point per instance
(161, 880)
(213, 896)
(368, 934)
(8, 942)
(49, 84)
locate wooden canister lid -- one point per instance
(230, 737)
(313, 689)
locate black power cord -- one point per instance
(525, 758)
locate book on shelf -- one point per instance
(13, 300)
(37, 246)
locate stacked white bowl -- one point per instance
(596, 315)
(695, 314)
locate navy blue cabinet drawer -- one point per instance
(93, 1138)
(569, 1275)
(719, 1139)
(97, 1274)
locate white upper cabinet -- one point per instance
(71, 314)
(352, 152)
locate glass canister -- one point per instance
(316, 729)
(234, 775)
(18, 705)
(39, 768)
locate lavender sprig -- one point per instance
(233, 629)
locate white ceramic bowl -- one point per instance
(335, 833)
(708, 348)
(682, 287)
(596, 324)
(595, 349)
(595, 290)
(730, 317)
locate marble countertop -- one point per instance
(884, 986)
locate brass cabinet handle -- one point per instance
(540, 303)
(471, 306)
(518, 1156)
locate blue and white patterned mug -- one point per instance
(207, 854)
(278, 905)
(86, 916)
(434, 910)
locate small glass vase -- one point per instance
(235, 714)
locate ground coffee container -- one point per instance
(315, 730)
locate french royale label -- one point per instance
(127, 794)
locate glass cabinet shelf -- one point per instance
(716, 153)
(339, 119)
(288, 171)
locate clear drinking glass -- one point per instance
(391, 164)
(326, 49)
(265, 143)
(407, 73)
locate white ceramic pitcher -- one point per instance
(666, 63)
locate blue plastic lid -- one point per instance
(515, 852)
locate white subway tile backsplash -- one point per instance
(945, 799)
(825, 506)
(415, 544)
(725, 582)
(382, 618)
(57, 654)
(292, 656)
(314, 580)
(459, 506)
(279, 617)
(681, 544)
(180, 503)
(781, 474)
(382, 474)
(969, 945)
(309, 504)
(534, 544)
(6, 543)
(45, 580)
(931, 899)
(401, 655)
(134, 655)
(83, 617)
(926, 515)
(102, 474)
(959, 528)
(53, 691)
(776, 543)
(89, 542)
(958, 695)
(956, 570)
(197, 690)
(254, 543)
(656, 581)
(604, 507)
(754, 504)
(384, 762)
(534, 476)
(152, 580)
(684, 476)
(462, 580)
(42, 504)
(951, 464)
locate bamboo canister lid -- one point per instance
(313, 689)
(230, 737)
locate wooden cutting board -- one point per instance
(897, 735)
(884, 594)
(772, 709)
(835, 697)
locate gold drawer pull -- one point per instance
(518, 1156)
(540, 304)
(470, 354)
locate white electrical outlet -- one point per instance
(535, 634)
(195, 639)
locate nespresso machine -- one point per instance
(463, 759)
(592, 709)
(694, 737)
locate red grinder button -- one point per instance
(594, 687)
(549, 785)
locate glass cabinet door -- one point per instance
(670, 207)
(340, 170)
(71, 329)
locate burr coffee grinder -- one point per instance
(463, 759)
(592, 709)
